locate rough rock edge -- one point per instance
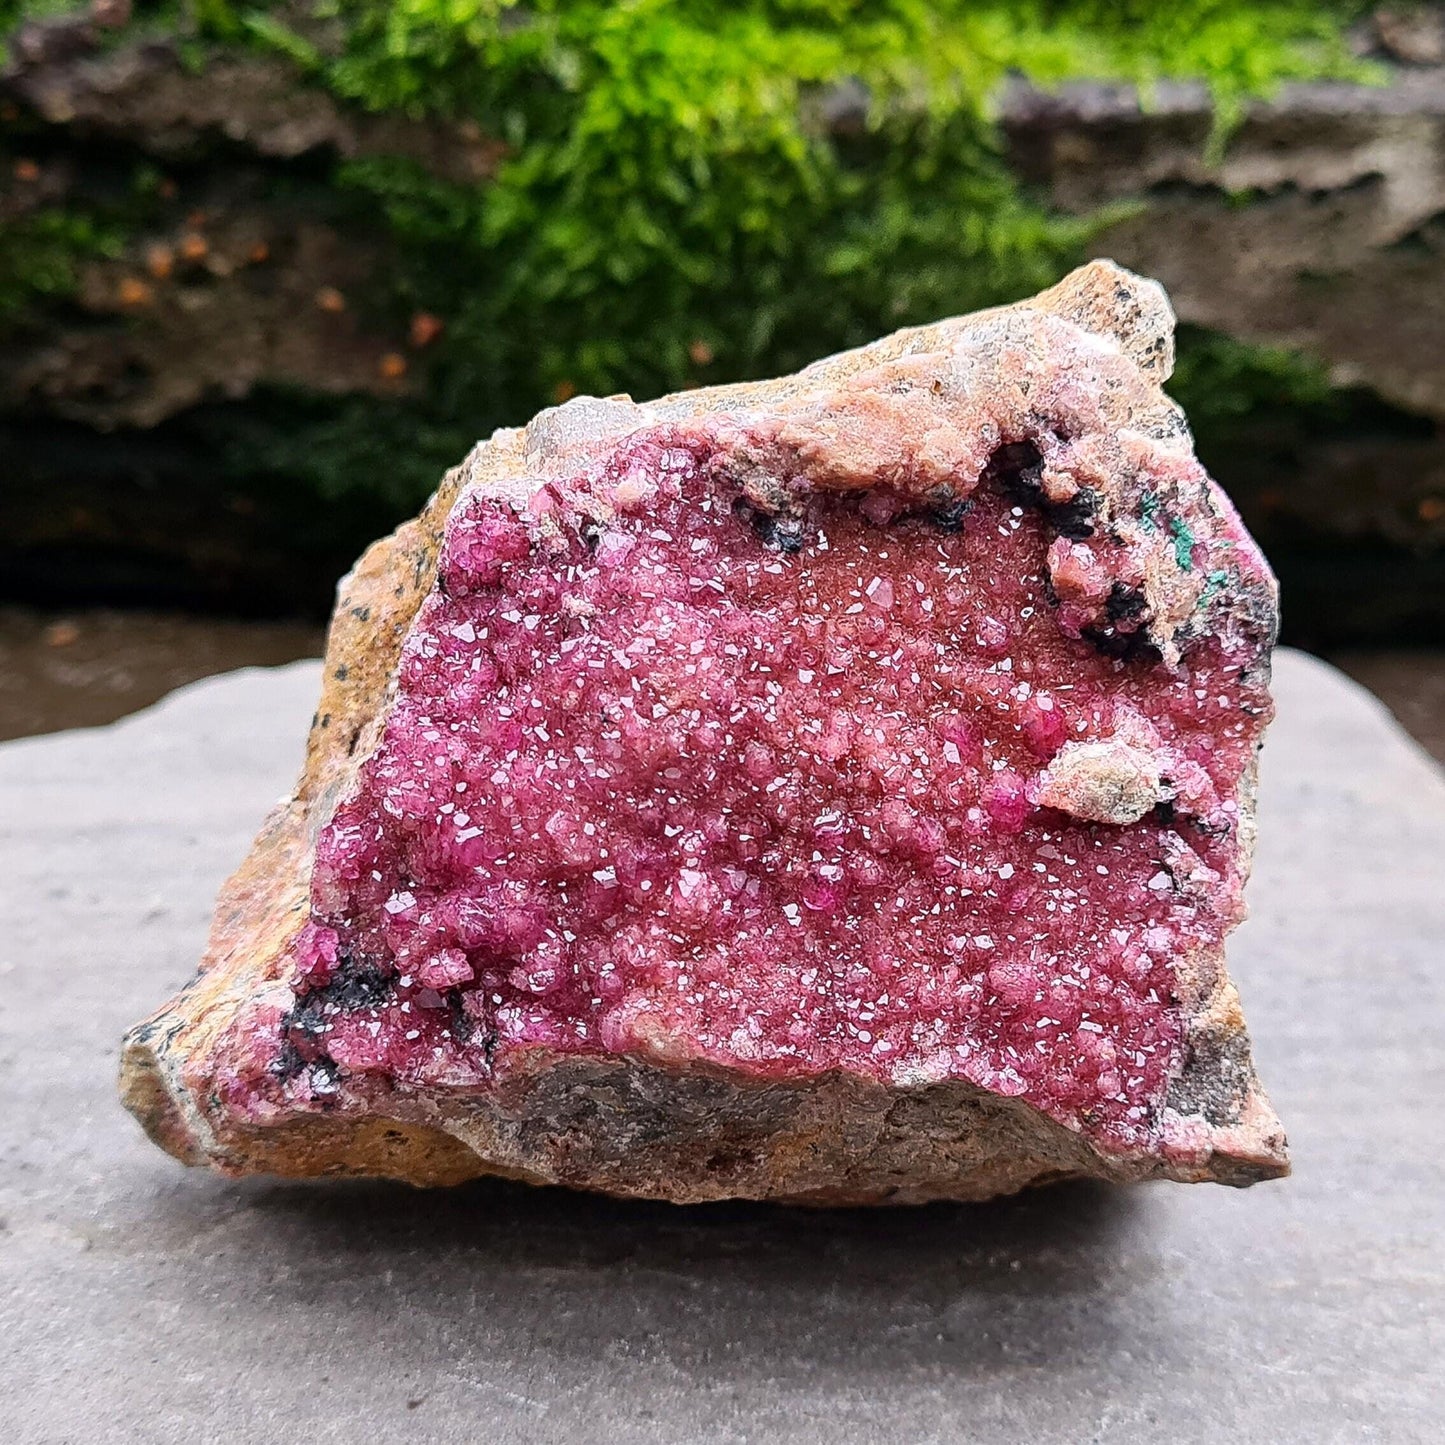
(140, 90)
(628, 1126)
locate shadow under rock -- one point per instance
(1034, 1279)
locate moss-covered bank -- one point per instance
(290, 258)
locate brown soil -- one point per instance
(83, 668)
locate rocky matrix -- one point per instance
(829, 789)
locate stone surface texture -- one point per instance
(141, 1302)
(1319, 228)
(835, 789)
(1276, 269)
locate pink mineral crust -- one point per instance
(838, 788)
(892, 741)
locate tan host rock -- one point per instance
(834, 789)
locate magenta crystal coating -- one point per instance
(886, 781)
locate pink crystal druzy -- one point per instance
(895, 780)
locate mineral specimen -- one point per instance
(836, 789)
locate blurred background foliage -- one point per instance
(663, 193)
(671, 206)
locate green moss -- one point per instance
(672, 207)
(14, 11)
(341, 449)
(1219, 380)
(1237, 394)
(41, 255)
(44, 252)
(671, 192)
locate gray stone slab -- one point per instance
(143, 1302)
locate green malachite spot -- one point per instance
(1148, 511)
(1183, 542)
(1213, 583)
